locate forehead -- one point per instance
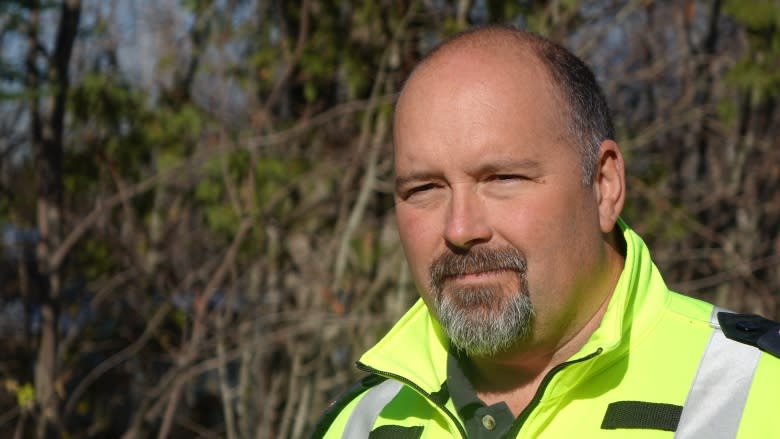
(477, 96)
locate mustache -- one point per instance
(477, 260)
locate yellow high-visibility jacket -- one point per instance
(660, 365)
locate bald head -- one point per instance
(582, 108)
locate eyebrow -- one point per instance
(507, 165)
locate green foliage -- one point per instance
(100, 96)
(112, 117)
(451, 26)
(727, 111)
(275, 175)
(759, 73)
(94, 258)
(320, 56)
(211, 195)
(754, 13)
(759, 69)
(543, 18)
(357, 76)
(180, 318)
(762, 76)
(502, 11)
(262, 62)
(25, 396)
(175, 128)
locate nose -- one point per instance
(467, 223)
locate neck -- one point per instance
(527, 364)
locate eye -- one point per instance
(418, 189)
(507, 177)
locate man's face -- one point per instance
(502, 238)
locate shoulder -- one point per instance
(759, 417)
(745, 329)
(338, 411)
(753, 330)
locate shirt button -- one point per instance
(488, 422)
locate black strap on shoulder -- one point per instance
(753, 330)
(642, 414)
(339, 403)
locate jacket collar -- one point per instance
(416, 348)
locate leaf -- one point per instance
(25, 396)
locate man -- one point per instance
(542, 314)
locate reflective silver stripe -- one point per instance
(713, 408)
(362, 419)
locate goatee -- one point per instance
(482, 320)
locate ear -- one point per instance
(609, 184)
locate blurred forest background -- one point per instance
(196, 212)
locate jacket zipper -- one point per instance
(526, 413)
(417, 388)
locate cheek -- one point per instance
(543, 228)
(419, 238)
(531, 224)
(561, 239)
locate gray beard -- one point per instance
(482, 320)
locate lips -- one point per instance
(476, 275)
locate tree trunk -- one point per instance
(48, 114)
